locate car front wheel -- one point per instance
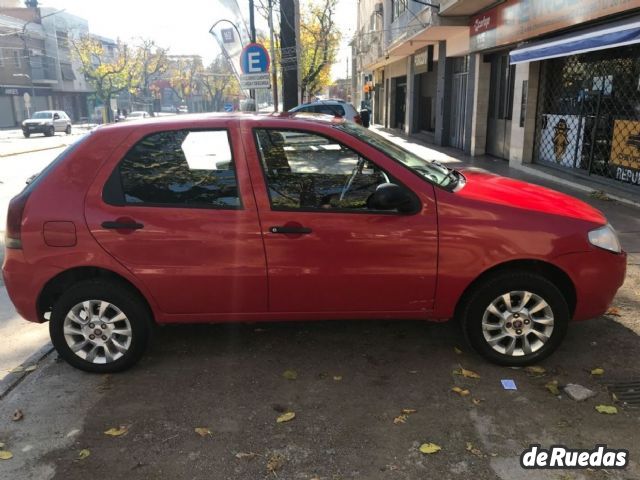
(100, 326)
(50, 132)
(68, 130)
(515, 318)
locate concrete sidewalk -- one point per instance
(624, 216)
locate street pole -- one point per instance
(252, 28)
(274, 71)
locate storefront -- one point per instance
(426, 81)
(13, 109)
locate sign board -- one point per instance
(515, 20)
(228, 35)
(559, 139)
(254, 59)
(255, 81)
(624, 163)
(228, 107)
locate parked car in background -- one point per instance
(337, 108)
(48, 122)
(137, 115)
(231, 218)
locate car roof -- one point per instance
(200, 120)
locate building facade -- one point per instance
(552, 84)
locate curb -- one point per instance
(2, 155)
(12, 380)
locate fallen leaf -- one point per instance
(553, 387)
(202, 431)
(286, 417)
(429, 448)
(466, 373)
(30, 368)
(408, 411)
(17, 415)
(608, 409)
(246, 455)
(116, 432)
(535, 370)
(613, 396)
(413, 372)
(463, 392)
(476, 401)
(290, 374)
(275, 463)
(597, 371)
(337, 378)
(17, 369)
(471, 448)
(457, 350)
(400, 419)
(600, 195)
(5, 455)
(2, 445)
(613, 312)
(84, 453)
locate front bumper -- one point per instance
(35, 128)
(597, 275)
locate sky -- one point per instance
(183, 26)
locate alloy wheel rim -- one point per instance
(517, 323)
(97, 331)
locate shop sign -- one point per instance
(561, 131)
(420, 59)
(516, 20)
(624, 163)
(11, 91)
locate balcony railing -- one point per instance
(43, 69)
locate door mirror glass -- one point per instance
(389, 196)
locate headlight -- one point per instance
(606, 238)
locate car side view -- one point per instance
(47, 122)
(245, 218)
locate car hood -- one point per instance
(37, 121)
(487, 187)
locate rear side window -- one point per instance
(179, 169)
(335, 110)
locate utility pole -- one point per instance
(274, 71)
(252, 33)
(289, 55)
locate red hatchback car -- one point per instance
(294, 217)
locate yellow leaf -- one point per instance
(275, 463)
(246, 455)
(553, 387)
(84, 453)
(290, 374)
(457, 350)
(413, 372)
(400, 419)
(202, 431)
(337, 378)
(471, 448)
(535, 370)
(30, 368)
(408, 411)
(429, 448)
(116, 432)
(2, 445)
(476, 401)
(466, 373)
(613, 312)
(5, 455)
(597, 371)
(613, 396)
(608, 409)
(17, 369)
(463, 392)
(286, 417)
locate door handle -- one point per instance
(122, 225)
(293, 230)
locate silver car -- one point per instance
(48, 122)
(337, 108)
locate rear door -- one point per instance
(175, 207)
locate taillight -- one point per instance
(13, 234)
(358, 119)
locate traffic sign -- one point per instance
(255, 81)
(228, 107)
(254, 59)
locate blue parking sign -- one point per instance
(254, 59)
(228, 107)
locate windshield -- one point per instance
(42, 115)
(428, 169)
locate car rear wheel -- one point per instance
(100, 326)
(68, 130)
(515, 318)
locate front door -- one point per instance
(326, 251)
(176, 209)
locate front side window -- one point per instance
(182, 169)
(310, 172)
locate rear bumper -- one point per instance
(597, 275)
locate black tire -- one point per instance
(121, 296)
(51, 131)
(26, 134)
(68, 130)
(479, 299)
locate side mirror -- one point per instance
(389, 196)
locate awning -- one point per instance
(611, 35)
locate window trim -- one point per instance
(415, 198)
(113, 192)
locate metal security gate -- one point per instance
(458, 102)
(588, 116)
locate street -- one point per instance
(347, 382)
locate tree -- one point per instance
(107, 70)
(184, 72)
(148, 62)
(319, 42)
(219, 82)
